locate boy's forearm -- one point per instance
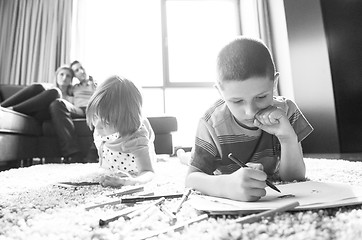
(292, 165)
(208, 184)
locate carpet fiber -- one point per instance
(32, 207)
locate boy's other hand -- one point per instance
(274, 121)
(246, 184)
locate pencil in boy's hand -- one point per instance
(272, 185)
(241, 164)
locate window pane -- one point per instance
(195, 31)
(188, 105)
(152, 101)
(119, 37)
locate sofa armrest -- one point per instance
(7, 90)
(163, 124)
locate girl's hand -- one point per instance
(111, 181)
(246, 184)
(274, 121)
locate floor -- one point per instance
(345, 156)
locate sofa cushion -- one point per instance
(18, 123)
(81, 128)
(160, 125)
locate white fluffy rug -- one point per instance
(31, 207)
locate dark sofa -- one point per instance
(22, 138)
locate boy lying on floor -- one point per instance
(262, 130)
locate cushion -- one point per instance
(81, 128)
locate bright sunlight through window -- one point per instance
(166, 46)
(195, 31)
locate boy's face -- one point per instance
(79, 72)
(246, 98)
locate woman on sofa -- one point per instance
(35, 99)
(64, 111)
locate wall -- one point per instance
(301, 52)
(343, 25)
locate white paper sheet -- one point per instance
(310, 195)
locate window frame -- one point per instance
(165, 58)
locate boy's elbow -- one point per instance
(290, 174)
(293, 177)
(188, 182)
(190, 178)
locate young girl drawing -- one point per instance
(124, 138)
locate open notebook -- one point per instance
(310, 195)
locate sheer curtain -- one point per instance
(256, 22)
(34, 39)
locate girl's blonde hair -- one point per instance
(66, 67)
(117, 102)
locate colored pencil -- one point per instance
(175, 227)
(255, 217)
(183, 199)
(130, 190)
(143, 209)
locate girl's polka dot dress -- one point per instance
(116, 162)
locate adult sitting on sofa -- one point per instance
(22, 137)
(64, 110)
(36, 101)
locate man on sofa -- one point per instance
(62, 112)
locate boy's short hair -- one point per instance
(74, 62)
(117, 102)
(243, 58)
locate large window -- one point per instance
(168, 47)
(119, 37)
(194, 30)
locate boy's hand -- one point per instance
(246, 184)
(274, 121)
